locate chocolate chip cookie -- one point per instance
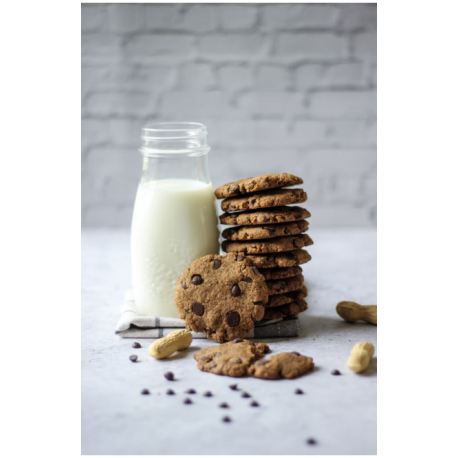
(265, 199)
(265, 246)
(266, 216)
(231, 358)
(285, 259)
(283, 365)
(283, 311)
(284, 286)
(281, 272)
(254, 184)
(222, 296)
(282, 299)
(265, 231)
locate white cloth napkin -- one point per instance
(130, 324)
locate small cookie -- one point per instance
(281, 272)
(265, 232)
(265, 199)
(287, 298)
(265, 246)
(232, 358)
(222, 296)
(284, 286)
(254, 184)
(273, 313)
(266, 216)
(286, 259)
(283, 365)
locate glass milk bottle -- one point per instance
(174, 220)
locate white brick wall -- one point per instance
(281, 87)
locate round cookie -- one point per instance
(231, 358)
(286, 310)
(281, 299)
(285, 259)
(281, 272)
(221, 295)
(265, 199)
(254, 184)
(265, 246)
(266, 216)
(266, 231)
(284, 286)
(283, 365)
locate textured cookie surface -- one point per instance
(292, 242)
(282, 299)
(265, 231)
(231, 358)
(285, 259)
(266, 199)
(222, 296)
(284, 286)
(272, 313)
(266, 216)
(259, 183)
(283, 365)
(281, 272)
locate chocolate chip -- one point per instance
(227, 419)
(253, 201)
(191, 391)
(238, 361)
(237, 340)
(298, 217)
(231, 231)
(136, 345)
(133, 358)
(240, 257)
(297, 243)
(299, 391)
(170, 392)
(234, 188)
(271, 230)
(233, 387)
(255, 271)
(290, 255)
(336, 372)
(198, 308)
(232, 319)
(254, 404)
(196, 280)
(295, 353)
(169, 376)
(145, 391)
(206, 359)
(216, 264)
(265, 219)
(187, 401)
(208, 394)
(224, 405)
(246, 395)
(311, 441)
(247, 280)
(236, 291)
(183, 285)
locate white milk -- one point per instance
(174, 223)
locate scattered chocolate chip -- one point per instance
(236, 291)
(187, 401)
(133, 358)
(183, 285)
(299, 391)
(224, 405)
(232, 319)
(191, 391)
(233, 387)
(295, 353)
(136, 345)
(240, 257)
(255, 271)
(336, 372)
(169, 376)
(170, 392)
(254, 404)
(198, 309)
(247, 280)
(311, 441)
(227, 419)
(246, 395)
(237, 340)
(196, 280)
(145, 391)
(208, 394)
(216, 264)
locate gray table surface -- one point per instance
(339, 412)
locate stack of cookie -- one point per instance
(270, 234)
